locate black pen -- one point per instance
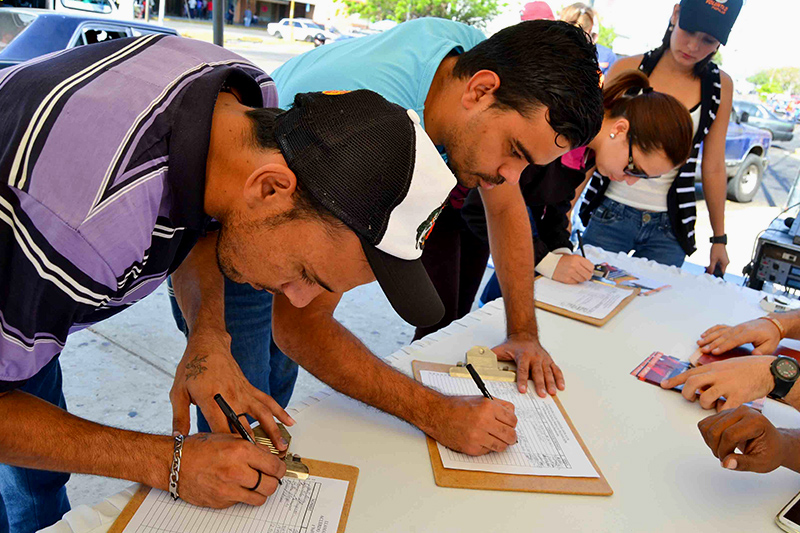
(478, 381)
(580, 243)
(234, 421)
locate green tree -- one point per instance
(607, 36)
(472, 12)
(777, 80)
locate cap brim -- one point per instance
(407, 286)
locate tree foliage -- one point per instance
(607, 36)
(777, 80)
(472, 12)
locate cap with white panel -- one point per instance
(370, 163)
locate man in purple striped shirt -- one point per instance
(115, 159)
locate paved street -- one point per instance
(119, 372)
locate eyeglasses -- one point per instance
(632, 170)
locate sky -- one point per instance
(765, 34)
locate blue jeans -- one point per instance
(248, 319)
(616, 227)
(34, 499)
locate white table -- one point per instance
(644, 439)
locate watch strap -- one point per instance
(719, 239)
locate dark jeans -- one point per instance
(34, 499)
(248, 318)
(455, 260)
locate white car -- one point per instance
(304, 30)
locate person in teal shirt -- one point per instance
(492, 106)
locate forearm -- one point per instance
(715, 186)
(790, 322)
(321, 345)
(512, 249)
(36, 434)
(200, 286)
(791, 448)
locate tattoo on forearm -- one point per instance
(195, 367)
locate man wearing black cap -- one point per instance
(91, 223)
(493, 106)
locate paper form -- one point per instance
(313, 505)
(546, 446)
(594, 300)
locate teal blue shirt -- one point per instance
(398, 64)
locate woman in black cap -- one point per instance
(656, 217)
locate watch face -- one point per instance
(787, 369)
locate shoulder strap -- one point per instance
(650, 60)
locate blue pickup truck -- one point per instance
(746, 158)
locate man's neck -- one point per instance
(444, 88)
(227, 161)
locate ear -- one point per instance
(480, 89)
(676, 12)
(620, 127)
(272, 183)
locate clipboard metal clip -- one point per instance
(485, 362)
(294, 464)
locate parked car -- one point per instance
(28, 33)
(761, 116)
(746, 158)
(114, 9)
(304, 30)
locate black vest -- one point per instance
(681, 199)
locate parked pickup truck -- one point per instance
(304, 30)
(746, 158)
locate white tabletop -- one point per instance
(644, 439)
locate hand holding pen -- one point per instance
(234, 421)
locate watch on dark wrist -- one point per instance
(719, 239)
(785, 372)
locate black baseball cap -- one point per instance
(714, 17)
(370, 163)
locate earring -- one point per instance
(612, 135)
(671, 27)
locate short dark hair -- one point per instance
(544, 63)
(306, 206)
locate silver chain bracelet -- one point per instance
(175, 471)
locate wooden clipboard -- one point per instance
(468, 479)
(583, 318)
(316, 468)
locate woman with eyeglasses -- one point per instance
(655, 217)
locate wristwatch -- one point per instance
(785, 372)
(720, 239)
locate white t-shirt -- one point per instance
(648, 194)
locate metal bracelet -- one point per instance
(175, 471)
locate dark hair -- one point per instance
(543, 63)
(306, 206)
(699, 68)
(658, 121)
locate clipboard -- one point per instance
(316, 468)
(599, 322)
(469, 479)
